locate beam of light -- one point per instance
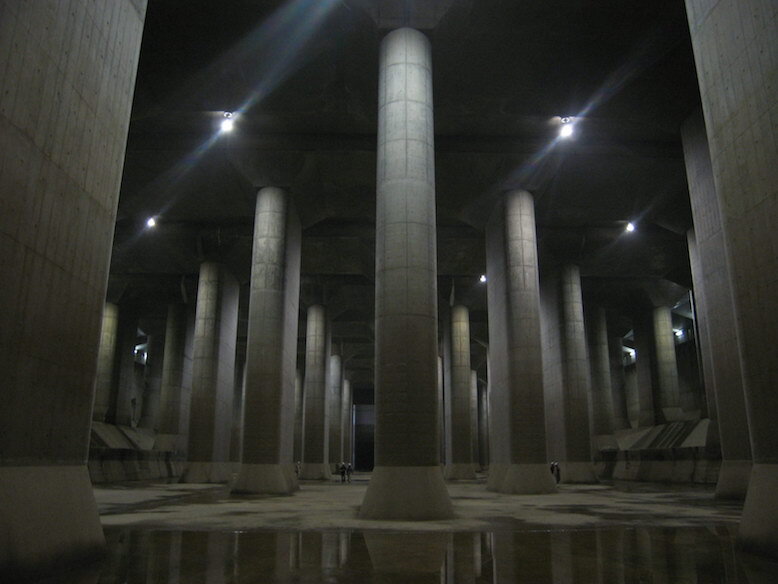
(630, 227)
(566, 130)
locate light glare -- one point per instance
(227, 125)
(151, 222)
(482, 279)
(630, 227)
(566, 131)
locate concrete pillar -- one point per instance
(64, 115)
(441, 410)
(172, 383)
(736, 54)
(519, 462)
(105, 361)
(152, 383)
(298, 417)
(407, 482)
(238, 400)
(271, 350)
(213, 377)
(602, 390)
(126, 409)
(474, 417)
(459, 432)
(618, 382)
(345, 422)
(716, 320)
(334, 398)
(644, 339)
(483, 427)
(577, 465)
(316, 443)
(667, 394)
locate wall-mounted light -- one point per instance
(151, 222)
(567, 127)
(630, 227)
(482, 279)
(228, 123)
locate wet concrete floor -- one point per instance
(625, 533)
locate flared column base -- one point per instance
(406, 493)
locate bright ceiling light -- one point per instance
(228, 123)
(482, 279)
(630, 227)
(151, 222)
(566, 130)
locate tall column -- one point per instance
(271, 349)
(345, 421)
(668, 404)
(519, 462)
(483, 427)
(644, 338)
(298, 417)
(172, 384)
(69, 73)
(716, 315)
(474, 417)
(736, 54)
(152, 381)
(441, 410)
(316, 444)
(106, 355)
(577, 466)
(618, 383)
(407, 481)
(602, 391)
(213, 377)
(126, 409)
(334, 397)
(459, 448)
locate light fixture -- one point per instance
(630, 227)
(567, 127)
(151, 222)
(678, 333)
(482, 279)
(228, 123)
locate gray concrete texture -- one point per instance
(459, 431)
(172, 385)
(126, 394)
(105, 361)
(668, 400)
(643, 329)
(150, 403)
(63, 130)
(407, 433)
(618, 382)
(602, 390)
(271, 350)
(346, 426)
(213, 376)
(334, 399)
(740, 109)
(715, 314)
(519, 463)
(315, 443)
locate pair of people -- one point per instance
(345, 472)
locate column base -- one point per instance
(266, 479)
(733, 479)
(459, 471)
(521, 479)
(758, 532)
(577, 472)
(406, 493)
(49, 520)
(315, 471)
(208, 472)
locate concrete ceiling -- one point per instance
(302, 77)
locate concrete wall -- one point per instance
(64, 113)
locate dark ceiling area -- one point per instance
(301, 78)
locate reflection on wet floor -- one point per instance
(613, 555)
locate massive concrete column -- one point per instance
(407, 481)
(667, 393)
(316, 443)
(483, 427)
(69, 73)
(459, 432)
(271, 350)
(298, 417)
(125, 411)
(519, 462)
(105, 361)
(577, 465)
(716, 320)
(149, 417)
(618, 382)
(602, 391)
(172, 384)
(334, 397)
(644, 339)
(213, 377)
(474, 416)
(345, 421)
(736, 52)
